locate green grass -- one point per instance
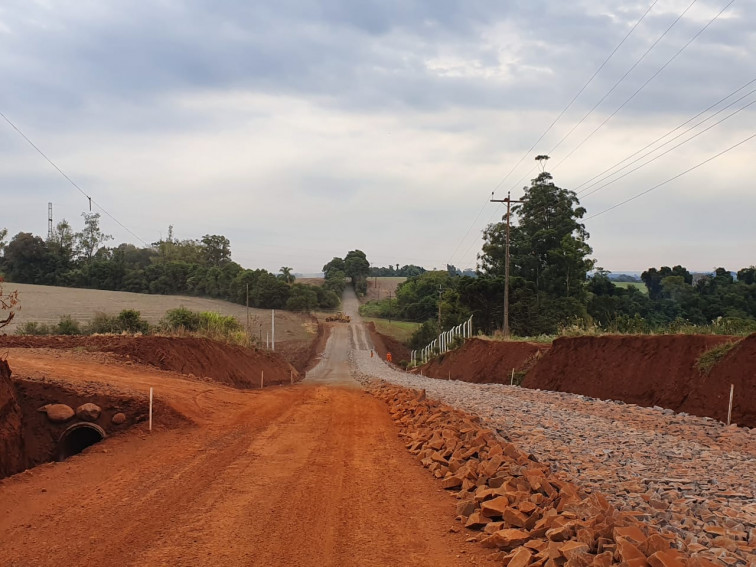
(711, 357)
(640, 286)
(399, 330)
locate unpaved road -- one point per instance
(312, 474)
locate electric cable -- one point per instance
(590, 181)
(639, 89)
(638, 195)
(71, 181)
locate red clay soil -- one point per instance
(713, 391)
(651, 371)
(11, 441)
(485, 362)
(221, 362)
(384, 344)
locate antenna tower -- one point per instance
(49, 222)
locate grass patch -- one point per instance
(399, 330)
(711, 357)
(640, 286)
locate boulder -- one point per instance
(118, 418)
(58, 413)
(88, 412)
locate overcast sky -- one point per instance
(302, 129)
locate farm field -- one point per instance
(399, 330)
(380, 288)
(640, 286)
(47, 304)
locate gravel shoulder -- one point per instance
(691, 476)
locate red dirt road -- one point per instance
(302, 475)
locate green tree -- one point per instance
(549, 257)
(286, 275)
(335, 265)
(216, 249)
(91, 238)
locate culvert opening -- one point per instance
(77, 438)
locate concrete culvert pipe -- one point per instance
(78, 437)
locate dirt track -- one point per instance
(312, 474)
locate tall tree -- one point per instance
(91, 238)
(549, 255)
(216, 249)
(286, 275)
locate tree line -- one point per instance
(555, 284)
(201, 267)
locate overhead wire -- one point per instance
(600, 187)
(71, 181)
(582, 89)
(623, 77)
(704, 162)
(645, 84)
(590, 181)
(553, 123)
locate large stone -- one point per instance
(88, 412)
(59, 413)
(494, 508)
(669, 558)
(476, 521)
(520, 558)
(509, 538)
(118, 418)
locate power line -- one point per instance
(752, 136)
(574, 98)
(623, 77)
(673, 147)
(548, 129)
(589, 181)
(651, 78)
(71, 181)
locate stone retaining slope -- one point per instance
(519, 506)
(688, 476)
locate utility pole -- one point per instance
(247, 310)
(509, 202)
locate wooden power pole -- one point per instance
(509, 202)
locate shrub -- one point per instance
(181, 318)
(130, 320)
(68, 326)
(215, 323)
(102, 324)
(34, 328)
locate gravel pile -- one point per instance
(688, 475)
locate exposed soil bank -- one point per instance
(652, 371)
(11, 440)
(482, 361)
(649, 371)
(29, 436)
(223, 363)
(384, 344)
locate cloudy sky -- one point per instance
(301, 129)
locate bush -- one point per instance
(102, 324)
(181, 318)
(34, 328)
(68, 326)
(217, 324)
(130, 320)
